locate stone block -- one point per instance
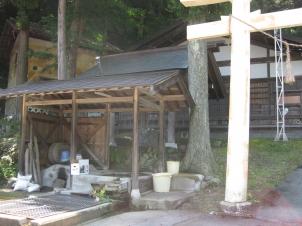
(59, 183)
(185, 182)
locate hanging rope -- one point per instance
(289, 77)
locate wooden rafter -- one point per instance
(148, 103)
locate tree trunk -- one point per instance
(199, 157)
(72, 52)
(62, 70)
(22, 66)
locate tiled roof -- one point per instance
(129, 80)
(141, 61)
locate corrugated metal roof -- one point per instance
(141, 61)
(129, 80)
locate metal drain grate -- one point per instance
(45, 206)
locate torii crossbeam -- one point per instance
(239, 109)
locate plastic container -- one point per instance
(65, 156)
(161, 182)
(173, 167)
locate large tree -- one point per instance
(199, 157)
(25, 8)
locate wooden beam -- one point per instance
(107, 136)
(105, 100)
(48, 102)
(190, 3)
(161, 145)
(112, 110)
(218, 83)
(135, 145)
(164, 84)
(175, 97)
(22, 136)
(149, 103)
(102, 94)
(157, 96)
(185, 91)
(268, 21)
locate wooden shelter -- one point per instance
(152, 91)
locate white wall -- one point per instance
(257, 70)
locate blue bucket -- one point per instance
(65, 156)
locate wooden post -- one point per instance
(112, 129)
(161, 145)
(107, 136)
(143, 120)
(135, 146)
(171, 130)
(61, 130)
(74, 131)
(239, 112)
(22, 147)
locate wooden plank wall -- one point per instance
(263, 104)
(86, 127)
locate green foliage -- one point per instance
(25, 8)
(101, 196)
(117, 155)
(8, 169)
(9, 149)
(6, 122)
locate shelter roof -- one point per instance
(93, 83)
(94, 93)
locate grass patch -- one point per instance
(269, 164)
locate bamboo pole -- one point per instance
(37, 160)
(107, 136)
(35, 177)
(30, 146)
(27, 161)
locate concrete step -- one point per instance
(162, 200)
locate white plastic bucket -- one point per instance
(173, 167)
(161, 182)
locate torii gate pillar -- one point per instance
(239, 107)
(238, 135)
(239, 111)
